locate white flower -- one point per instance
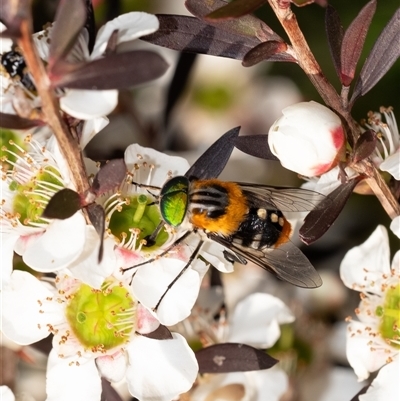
(373, 340)
(255, 322)
(387, 153)
(308, 138)
(6, 394)
(46, 245)
(386, 385)
(88, 104)
(132, 216)
(96, 333)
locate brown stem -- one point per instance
(69, 146)
(305, 57)
(379, 187)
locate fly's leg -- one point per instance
(178, 241)
(192, 257)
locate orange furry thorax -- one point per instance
(235, 212)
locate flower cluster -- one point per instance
(96, 332)
(109, 261)
(373, 340)
(95, 310)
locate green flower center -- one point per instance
(102, 319)
(135, 220)
(390, 316)
(32, 197)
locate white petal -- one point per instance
(162, 163)
(59, 246)
(386, 386)
(66, 381)
(91, 128)
(112, 367)
(152, 280)
(213, 253)
(256, 320)
(366, 354)
(88, 104)
(5, 43)
(146, 322)
(87, 268)
(7, 254)
(396, 263)
(6, 394)
(160, 370)
(365, 264)
(395, 226)
(392, 165)
(22, 321)
(271, 384)
(54, 151)
(130, 26)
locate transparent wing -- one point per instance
(286, 261)
(284, 199)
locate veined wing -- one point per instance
(286, 261)
(284, 199)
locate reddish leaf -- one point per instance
(246, 26)
(12, 13)
(12, 121)
(383, 55)
(267, 51)
(161, 333)
(318, 221)
(365, 145)
(109, 177)
(189, 34)
(63, 204)
(116, 71)
(255, 145)
(232, 357)
(334, 33)
(97, 217)
(69, 20)
(353, 42)
(235, 9)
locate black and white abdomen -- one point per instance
(261, 228)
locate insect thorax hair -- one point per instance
(211, 198)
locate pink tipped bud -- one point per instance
(308, 138)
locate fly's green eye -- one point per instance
(174, 200)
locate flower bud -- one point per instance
(308, 138)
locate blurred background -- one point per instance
(219, 95)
